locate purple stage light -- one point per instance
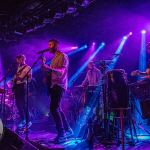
(93, 43)
(143, 31)
(125, 37)
(74, 47)
(103, 44)
(130, 33)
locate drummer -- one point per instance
(91, 82)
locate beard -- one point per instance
(53, 50)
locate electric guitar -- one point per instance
(16, 77)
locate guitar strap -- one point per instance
(20, 71)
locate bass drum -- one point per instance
(117, 89)
(7, 114)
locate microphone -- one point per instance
(43, 51)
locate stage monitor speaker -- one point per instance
(117, 89)
(12, 141)
(145, 108)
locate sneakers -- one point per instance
(69, 133)
(60, 138)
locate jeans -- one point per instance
(20, 96)
(56, 94)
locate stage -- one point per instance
(78, 70)
(42, 133)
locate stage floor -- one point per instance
(43, 132)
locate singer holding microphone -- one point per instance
(57, 86)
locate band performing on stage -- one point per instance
(74, 74)
(104, 94)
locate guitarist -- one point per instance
(19, 88)
(59, 79)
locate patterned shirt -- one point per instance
(93, 78)
(59, 77)
(21, 72)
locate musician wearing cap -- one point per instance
(19, 87)
(57, 85)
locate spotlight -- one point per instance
(85, 46)
(93, 43)
(130, 33)
(125, 37)
(74, 47)
(102, 43)
(143, 31)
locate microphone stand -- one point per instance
(4, 96)
(104, 68)
(27, 96)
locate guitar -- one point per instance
(16, 77)
(47, 78)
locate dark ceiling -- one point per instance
(18, 17)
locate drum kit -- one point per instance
(8, 108)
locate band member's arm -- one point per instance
(146, 73)
(137, 72)
(85, 81)
(141, 73)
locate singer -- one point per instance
(59, 79)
